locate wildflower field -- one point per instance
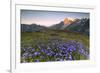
(53, 45)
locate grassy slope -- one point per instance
(33, 38)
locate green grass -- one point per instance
(32, 38)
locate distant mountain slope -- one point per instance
(57, 26)
(31, 28)
(80, 26)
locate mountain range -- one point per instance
(77, 25)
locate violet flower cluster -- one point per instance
(55, 50)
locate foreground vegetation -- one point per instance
(53, 45)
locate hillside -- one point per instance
(80, 26)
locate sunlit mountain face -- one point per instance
(68, 21)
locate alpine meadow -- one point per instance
(48, 36)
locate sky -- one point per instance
(48, 18)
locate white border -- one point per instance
(15, 51)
